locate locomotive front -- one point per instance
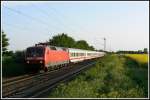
(35, 56)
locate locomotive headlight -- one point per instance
(28, 62)
(41, 61)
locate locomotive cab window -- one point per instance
(35, 51)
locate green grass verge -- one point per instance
(113, 77)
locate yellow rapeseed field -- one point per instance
(141, 58)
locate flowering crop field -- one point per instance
(140, 58)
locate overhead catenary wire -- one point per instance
(101, 44)
(30, 17)
(48, 15)
(81, 28)
(27, 16)
(57, 20)
(23, 27)
(13, 30)
(59, 12)
(17, 26)
(39, 20)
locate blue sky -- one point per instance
(124, 24)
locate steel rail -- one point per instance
(32, 86)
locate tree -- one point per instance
(4, 42)
(91, 48)
(82, 44)
(145, 50)
(139, 51)
(62, 40)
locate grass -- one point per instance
(10, 67)
(138, 73)
(113, 76)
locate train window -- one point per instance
(72, 55)
(80, 54)
(83, 54)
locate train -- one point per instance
(50, 57)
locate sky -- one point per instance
(124, 24)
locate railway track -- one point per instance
(14, 85)
(45, 90)
(7, 80)
(35, 85)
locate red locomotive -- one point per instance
(51, 56)
(46, 56)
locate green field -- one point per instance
(113, 76)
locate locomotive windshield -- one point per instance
(35, 52)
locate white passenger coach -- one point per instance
(77, 55)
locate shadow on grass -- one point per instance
(138, 73)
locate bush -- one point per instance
(8, 53)
(19, 56)
(13, 65)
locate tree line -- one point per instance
(144, 51)
(63, 40)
